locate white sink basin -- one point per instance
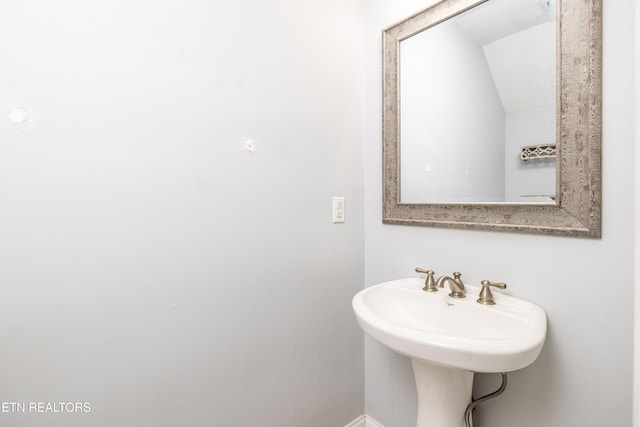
(451, 332)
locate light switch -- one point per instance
(338, 209)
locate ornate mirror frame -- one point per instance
(577, 209)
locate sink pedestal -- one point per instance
(443, 394)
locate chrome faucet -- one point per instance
(455, 284)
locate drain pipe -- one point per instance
(468, 418)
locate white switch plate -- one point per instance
(338, 209)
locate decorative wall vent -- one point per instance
(532, 152)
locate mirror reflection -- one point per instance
(478, 106)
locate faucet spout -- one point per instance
(455, 284)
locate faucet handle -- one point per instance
(430, 283)
(486, 297)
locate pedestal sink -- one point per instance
(448, 339)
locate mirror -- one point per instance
(495, 74)
(492, 116)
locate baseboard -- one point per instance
(370, 422)
(364, 421)
(361, 421)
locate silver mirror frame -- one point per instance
(577, 209)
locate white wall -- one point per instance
(148, 264)
(584, 374)
(636, 377)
